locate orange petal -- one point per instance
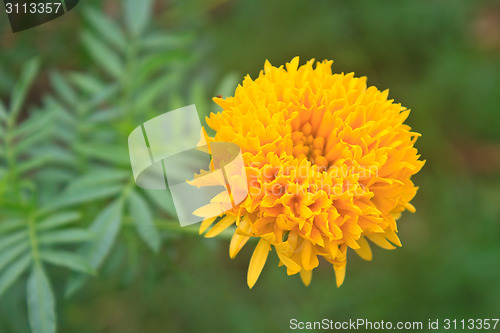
(393, 238)
(292, 266)
(339, 273)
(222, 225)
(206, 223)
(257, 261)
(306, 254)
(381, 241)
(209, 210)
(237, 243)
(306, 277)
(364, 251)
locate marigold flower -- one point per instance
(328, 163)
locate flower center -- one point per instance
(306, 145)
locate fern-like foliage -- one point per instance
(31, 237)
(67, 195)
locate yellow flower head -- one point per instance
(328, 163)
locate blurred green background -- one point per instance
(439, 58)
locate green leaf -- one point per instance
(103, 55)
(74, 283)
(97, 178)
(105, 27)
(156, 63)
(79, 197)
(32, 140)
(56, 154)
(198, 96)
(67, 259)
(162, 199)
(12, 252)
(46, 157)
(41, 307)
(13, 238)
(63, 89)
(141, 214)
(86, 82)
(157, 89)
(58, 220)
(156, 41)
(3, 112)
(33, 163)
(105, 227)
(21, 88)
(61, 112)
(11, 274)
(11, 224)
(106, 115)
(108, 153)
(53, 176)
(65, 236)
(137, 15)
(103, 96)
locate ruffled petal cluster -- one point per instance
(328, 161)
